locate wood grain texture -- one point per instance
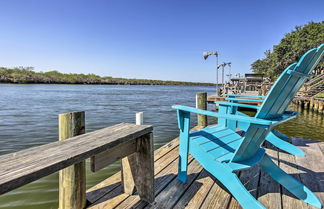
(127, 176)
(142, 167)
(72, 180)
(268, 189)
(203, 191)
(126, 171)
(201, 103)
(103, 159)
(20, 168)
(311, 167)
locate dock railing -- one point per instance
(129, 142)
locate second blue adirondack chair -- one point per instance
(275, 137)
(221, 151)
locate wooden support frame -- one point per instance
(137, 163)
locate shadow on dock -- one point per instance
(203, 191)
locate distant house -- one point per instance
(250, 82)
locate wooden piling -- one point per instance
(315, 105)
(306, 104)
(72, 180)
(320, 106)
(311, 103)
(201, 103)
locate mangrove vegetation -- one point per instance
(27, 75)
(290, 49)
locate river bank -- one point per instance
(29, 76)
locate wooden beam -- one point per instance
(23, 167)
(72, 180)
(103, 159)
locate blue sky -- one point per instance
(145, 39)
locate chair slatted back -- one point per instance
(277, 101)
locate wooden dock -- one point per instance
(203, 191)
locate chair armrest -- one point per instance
(246, 119)
(286, 116)
(244, 100)
(238, 95)
(238, 105)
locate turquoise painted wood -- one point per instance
(221, 150)
(184, 123)
(244, 100)
(245, 95)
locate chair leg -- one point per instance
(289, 182)
(276, 138)
(184, 120)
(284, 145)
(235, 186)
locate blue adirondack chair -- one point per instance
(220, 150)
(275, 137)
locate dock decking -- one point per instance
(203, 191)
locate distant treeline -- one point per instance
(27, 75)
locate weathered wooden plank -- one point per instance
(126, 171)
(17, 169)
(250, 179)
(287, 162)
(72, 180)
(98, 191)
(321, 146)
(197, 192)
(107, 157)
(96, 195)
(166, 148)
(162, 179)
(217, 197)
(268, 189)
(311, 167)
(169, 196)
(142, 167)
(127, 177)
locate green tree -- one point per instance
(290, 49)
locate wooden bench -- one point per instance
(103, 146)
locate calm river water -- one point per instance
(28, 117)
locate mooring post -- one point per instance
(72, 180)
(320, 106)
(315, 105)
(201, 103)
(127, 175)
(306, 104)
(311, 103)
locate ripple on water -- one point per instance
(28, 118)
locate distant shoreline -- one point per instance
(105, 84)
(28, 76)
